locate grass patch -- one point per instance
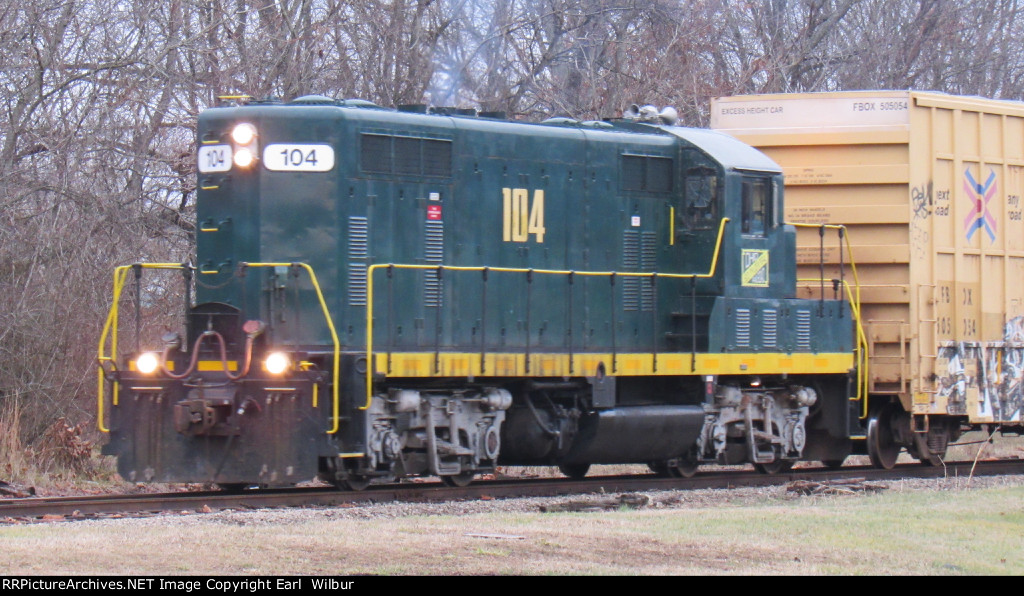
(976, 531)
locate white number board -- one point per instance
(292, 157)
(214, 158)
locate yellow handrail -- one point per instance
(335, 402)
(849, 247)
(854, 297)
(862, 343)
(110, 329)
(373, 268)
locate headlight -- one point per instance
(244, 158)
(147, 363)
(244, 133)
(277, 362)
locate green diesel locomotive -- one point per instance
(380, 294)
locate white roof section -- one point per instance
(732, 153)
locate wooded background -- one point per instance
(99, 101)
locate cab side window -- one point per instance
(757, 205)
(701, 188)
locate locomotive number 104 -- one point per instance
(521, 216)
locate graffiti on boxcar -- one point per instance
(921, 196)
(1012, 377)
(922, 199)
(995, 370)
(953, 385)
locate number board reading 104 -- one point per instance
(214, 158)
(291, 157)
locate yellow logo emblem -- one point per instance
(755, 268)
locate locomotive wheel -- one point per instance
(684, 469)
(660, 468)
(356, 482)
(882, 446)
(679, 468)
(574, 471)
(777, 466)
(833, 464)
(458, 480)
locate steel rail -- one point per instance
(46, 509)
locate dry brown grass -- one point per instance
(12, 453)
(712, 532)
(63, 461)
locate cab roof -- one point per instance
(732, 153)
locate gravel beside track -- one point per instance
(668, 499)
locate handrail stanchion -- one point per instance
(483, 322)
(654, 320)
(853, 295)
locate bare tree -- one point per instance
(99, 100)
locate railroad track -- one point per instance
(37, 509)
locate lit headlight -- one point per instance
(244, 133)
(147, 363)
(277, 362)
(244, 158)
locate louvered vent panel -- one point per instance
(770, 328)
(433, 255)
(631, 262)
(358, 253)
(803, 330)
(742, 327)
(648, 262)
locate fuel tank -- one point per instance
(637, 434)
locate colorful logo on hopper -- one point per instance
(980, 195)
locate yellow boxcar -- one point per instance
(929, 186)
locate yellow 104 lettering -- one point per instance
(521, 217)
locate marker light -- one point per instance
(244, 133)
(147, 363)
(276, 363)
(244, 158)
